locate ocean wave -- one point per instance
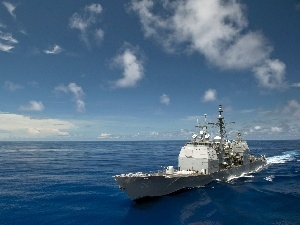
(231, 178)
(269, 178)
(286, 157)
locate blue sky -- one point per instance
(147, 70)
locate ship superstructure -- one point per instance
(200, 161)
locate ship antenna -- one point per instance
(220, 123)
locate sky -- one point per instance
(77, 70)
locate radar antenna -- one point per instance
(203, 129)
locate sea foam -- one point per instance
(286, 157)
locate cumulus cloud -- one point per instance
(210, 95)
(216, 29)
(77, 93)
(33, 106)
(7, 42)
(104, 135)
(10, 8)
(12, 87)
(276, 129)
(271, 74)
(19, 126)
(132, 66)
(257, 127)
(164, 99)
(107, 136)
(56, 49)
(292, 108)
(85, 22)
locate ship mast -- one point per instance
(220, 124)
(204, 136)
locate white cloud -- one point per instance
(8, 37)
(257, 127)
(164, 99)
(292, 108)
(84, 22)
(216, 29)
(133, 70)
(10, 8)
(7, 42)
(210, 95)
(104, 135)
(271, 74)
(295, 84)
(56, 49)
(99, 35)
(281, 123)
(276, 129)
(153, 134)
(77, 93)
(33, 106)
(15, 126)
(94, 8)
(5, 48)
(76, 90)
(61, 88)
(10, 86)
(248, 50)
(107, 136)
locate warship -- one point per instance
(200, 161)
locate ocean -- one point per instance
(71, 183)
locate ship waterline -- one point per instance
(140, 185)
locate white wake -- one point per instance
(286, 157)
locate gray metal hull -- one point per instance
(138, 187)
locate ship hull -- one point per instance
(139, 187)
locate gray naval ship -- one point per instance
(200, 161)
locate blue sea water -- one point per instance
(71, 183)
